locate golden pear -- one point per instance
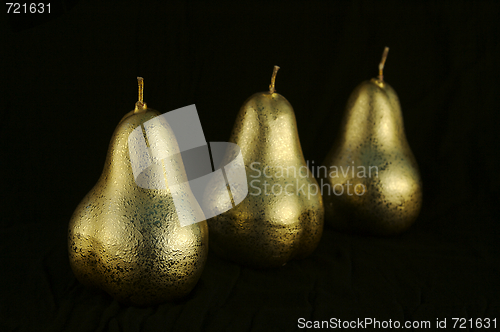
(281, 218)
(126, 239)
(373, 179)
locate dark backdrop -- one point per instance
(67, 79)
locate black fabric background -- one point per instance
(68, 78)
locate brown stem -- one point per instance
(140, 81)
(140, 105)
(272, 88)
(381, 64)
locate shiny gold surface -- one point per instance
(269, 228)
(386, 198)
(128, 240)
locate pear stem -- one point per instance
(140, 82)
(381, 64)
(140, 105)
(272, 88)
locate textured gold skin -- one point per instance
(269, 230)
(372, 134)
(128, 240)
